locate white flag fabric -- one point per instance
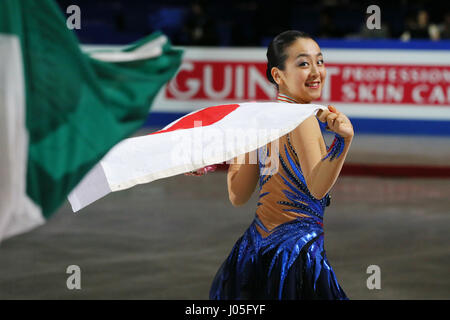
(204, 137)
(18, 213)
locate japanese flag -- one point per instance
(204, 137)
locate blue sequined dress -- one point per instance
(281, 255)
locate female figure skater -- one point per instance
(281, 255)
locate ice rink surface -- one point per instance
(166, 239)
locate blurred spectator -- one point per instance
(444, 28)
(200, 29)
(420, 28)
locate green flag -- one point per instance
(77, 105)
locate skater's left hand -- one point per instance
(202, 171)
(337, 122)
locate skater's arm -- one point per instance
(242, 178)
(320, 175)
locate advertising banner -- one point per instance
(365, 84)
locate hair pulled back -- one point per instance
(276, 52)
